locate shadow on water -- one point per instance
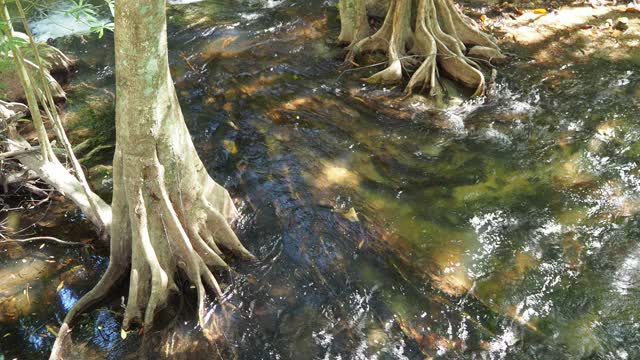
(503, 228)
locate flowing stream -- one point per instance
(504, 228)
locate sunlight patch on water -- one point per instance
(335, 174)
(626, 275)
(502, 343)
(250, 16)
(489, 228)
(496, 136)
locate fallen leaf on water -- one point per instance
(60, 286)
(540, 11)
(360, 99)
(233, 125)
(351, 215)
(52, 330)
(227, 41)
(7, 334)
(230, 145)
(361, 244)
(123, 334)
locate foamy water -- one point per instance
(59, 23)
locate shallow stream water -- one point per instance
(500, 228)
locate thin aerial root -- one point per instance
(132, 310)
(399, 32)
(209, 239)
(466, 29)
(224, 235)
(391, 74)
(211, 281)
(201, 298)
(423, 77)
(114, 273)
(379, 41)
(446, 24)
(450, 56)
(159, 279)
(210, 257)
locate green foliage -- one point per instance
(99, 29)
(112, 6)
(82, 9)
(87, 13)
(7, 43)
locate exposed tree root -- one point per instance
(54, 173)
(161, 227)
(439, 37)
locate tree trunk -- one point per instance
(168, 213)
(438, 39)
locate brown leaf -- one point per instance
(227, 41)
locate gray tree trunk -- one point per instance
(168, 213)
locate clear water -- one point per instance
(497, 229)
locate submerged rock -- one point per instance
(622, 24)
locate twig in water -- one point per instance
(45, 238)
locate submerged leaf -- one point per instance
(351, 215)
(52, 330)
(230, 145)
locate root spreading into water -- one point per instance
(442, 39)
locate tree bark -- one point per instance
(438, 40)
(168, 213)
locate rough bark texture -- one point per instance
(168, 214)
(437, 40)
